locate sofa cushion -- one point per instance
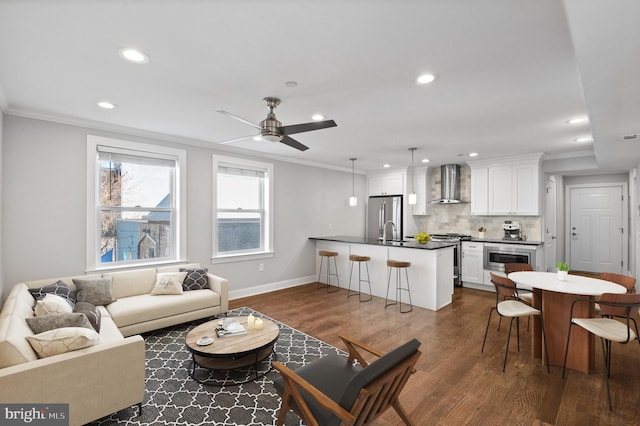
(132, 283)
(51, 305)
(91, 312)
(58, 288)
(96, 291)
(51, 322)
(61, 340)
(168, 283)
(196, 279)
(143, 308)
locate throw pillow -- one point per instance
(61, 340)
(91, 312)
(96, 291)
(169, 283)
(58, 288)
(196, 279)
(51, 305)
(51, 322)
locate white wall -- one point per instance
(44, 196)
(3, 293)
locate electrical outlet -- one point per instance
(261, 267)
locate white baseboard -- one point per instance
(266, 288)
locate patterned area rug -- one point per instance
(172, 397)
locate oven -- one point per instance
(496, 255)
(457, 252)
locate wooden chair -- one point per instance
(334, 390)
(624, 280)
(513, 308)
(525, 296)
(608, 328)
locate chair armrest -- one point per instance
(221, 286)
(353, 345)
(292, 386)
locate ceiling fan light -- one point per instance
(271, 138)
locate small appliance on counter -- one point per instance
(511, 231)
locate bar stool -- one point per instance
(398, 264)
(356, 258)
(328, 255)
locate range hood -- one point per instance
(449, 185)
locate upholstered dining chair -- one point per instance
(626, 281)
(337, 390)
(512, 308)
(608, 328)
(524, 295)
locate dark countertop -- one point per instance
(499, 241)
(371, 241)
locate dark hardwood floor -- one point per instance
(456, 384)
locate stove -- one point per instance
(457, 252)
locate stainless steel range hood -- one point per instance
(449, 185)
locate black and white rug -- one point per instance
(172, 397)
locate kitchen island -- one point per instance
(430, 275)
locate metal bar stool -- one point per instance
(356, 258)
(398, 264)
(328, 255)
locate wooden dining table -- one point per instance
(555, 298)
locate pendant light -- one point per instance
(353, 200)
(413, 198)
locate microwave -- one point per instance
(496, 255)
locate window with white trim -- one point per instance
(242, 205)
(134, 213)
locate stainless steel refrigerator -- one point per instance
(380, 210)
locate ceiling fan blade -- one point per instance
(307, 127)
(294, 143)
(235, 139)
(221, 111)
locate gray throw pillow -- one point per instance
(92, 313)
(59, 288)
(50, 322)
(196, 279)
(96, 291)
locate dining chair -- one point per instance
(524, 295)
(512, 308)
(607, 327)
(347, 390)
(626, 281)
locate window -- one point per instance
(242, 204)
(136, 216)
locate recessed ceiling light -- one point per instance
(386, 166)
(291, 84)
(133, 55)
(578, 120)
(425, 160)
(106, 105)
(425, 79)
(584, 139)
(473, 154)
(317, 117)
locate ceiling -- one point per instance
(509, 74)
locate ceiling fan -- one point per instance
(272, 130)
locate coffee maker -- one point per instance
(511, 231)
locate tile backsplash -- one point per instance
(457, 218)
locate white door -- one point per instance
(595, 229)
(550, 224)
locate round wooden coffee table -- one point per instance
(231, 352)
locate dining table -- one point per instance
(555, 297)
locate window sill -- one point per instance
(124, 267)
(241, 257)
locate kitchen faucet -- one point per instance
(384, 230)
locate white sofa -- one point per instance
(102, 379)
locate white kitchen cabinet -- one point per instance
(509, 186)
(472, 262)
(389, 184)
(422, 187)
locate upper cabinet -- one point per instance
(506, 187)
(389, 184)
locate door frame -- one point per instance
(625, 218)
(551, 201)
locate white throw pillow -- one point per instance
(51, 305)
(168, 283)
(61, 340)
